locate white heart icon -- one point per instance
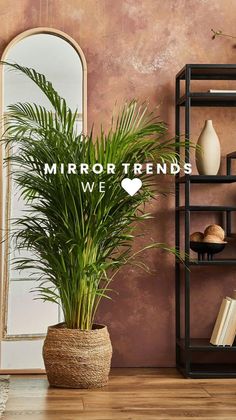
(131, 186)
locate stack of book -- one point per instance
(224, 331)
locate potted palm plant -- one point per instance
(79, 238)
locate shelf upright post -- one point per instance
(228, 165)
(228, 213)
(228, 223)
(187, 220)
(177, 221)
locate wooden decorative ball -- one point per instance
(212, 239)
(215, 230)
(197, 237)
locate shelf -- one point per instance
(209, 370)
(206, 208)
(209, 72)
(189, 358)
(226, 261)
(209, 99)
(207, 179)
(203, 344)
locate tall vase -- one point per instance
(208, 152)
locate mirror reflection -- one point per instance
(59, 61)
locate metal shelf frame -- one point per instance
(187, 346)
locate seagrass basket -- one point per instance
(77, 359)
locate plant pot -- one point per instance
(76, 358)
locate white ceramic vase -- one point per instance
(208, 153)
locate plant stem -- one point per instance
(220, 33)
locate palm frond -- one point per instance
(78, 240)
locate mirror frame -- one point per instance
(4, 281)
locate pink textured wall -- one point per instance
(134, 49)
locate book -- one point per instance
(221, 91)
(229, 336)
(220, 320)
(228, 333)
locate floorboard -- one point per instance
(132, 394)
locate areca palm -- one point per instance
(78, 239)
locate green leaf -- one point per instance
(78, 241)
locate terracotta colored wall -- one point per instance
(133, 49)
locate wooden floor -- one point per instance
(132, 394)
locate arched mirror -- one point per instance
(24, 320)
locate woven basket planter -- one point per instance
(76, 358)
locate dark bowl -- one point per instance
(208, 248)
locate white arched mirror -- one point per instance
(24, 320)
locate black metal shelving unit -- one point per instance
(195, 356)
